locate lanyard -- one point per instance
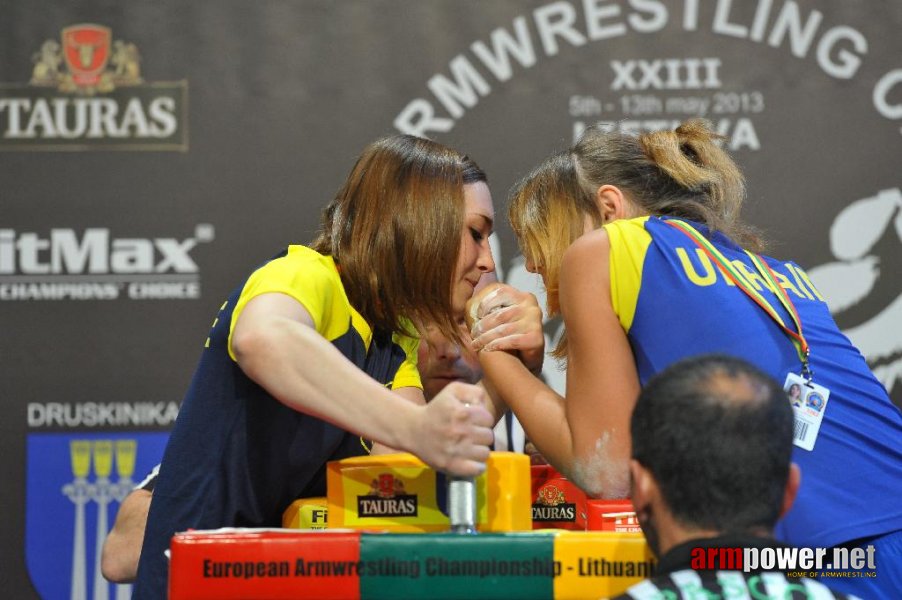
(797, 338)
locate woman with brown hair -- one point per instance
(643, 252)
(313, 357)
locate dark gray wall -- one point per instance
(265, 105)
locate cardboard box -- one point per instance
(398, 492)
(307, 513)
(612, 515)
(557, 503)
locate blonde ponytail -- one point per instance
(682, 173)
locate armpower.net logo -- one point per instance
(800, 562)
(86, 92)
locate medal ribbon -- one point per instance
(797, 337)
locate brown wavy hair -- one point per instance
(394, 230)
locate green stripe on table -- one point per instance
(450, 566)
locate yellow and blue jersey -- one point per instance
(237, 456)
(673, 302)
(314, 281)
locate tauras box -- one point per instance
(612, 515)
(399, 492)
(557, 503)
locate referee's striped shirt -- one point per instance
(689, 584)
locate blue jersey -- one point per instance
(237, 456)
(673, 303)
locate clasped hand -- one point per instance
(501, 317)
(456, 431)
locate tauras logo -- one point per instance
(551, 505)
(387, 498)
(561, 512)
(65, 264)
(65, 119)
(86, 92)
(400, 506)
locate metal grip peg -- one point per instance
(462, 504)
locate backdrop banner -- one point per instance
(152, 154)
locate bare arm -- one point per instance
(602, 383)
(276, 345)
(585, 436)
(122, 548)
(414, 396)
(539, 409)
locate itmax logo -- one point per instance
(96, 266)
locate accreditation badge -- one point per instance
(809, 402)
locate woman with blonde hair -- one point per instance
(644, 254)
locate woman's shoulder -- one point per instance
(302, 259)
(588, 246)
(296, 270)
(598, 242)
(304, 254)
